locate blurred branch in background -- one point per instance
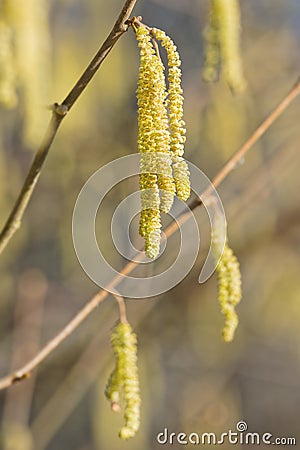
(25, 371)
(28, 320)
(59, 112)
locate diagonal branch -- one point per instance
(59, 112)
(25, 371)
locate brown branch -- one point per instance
(59, 112)
(25, 371)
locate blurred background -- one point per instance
(190, 380)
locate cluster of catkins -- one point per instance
(163, 171)
(123, 383)
(223, 44)
(230, 286)
(24, 61)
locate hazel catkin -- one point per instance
(229, 284)
(124, 382)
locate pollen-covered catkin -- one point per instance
(229, 285)
(223, 44)
(149, 88)
(161, 134)
(176, 122)
(124, 382)
(154, 133)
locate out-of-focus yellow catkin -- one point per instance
(124, 382)
(223, 44)
(212, 56)
(229, 284)
(8, 96)
(29, 21)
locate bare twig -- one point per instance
(25, 371)
(59, 112)
(122, 308)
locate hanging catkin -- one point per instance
(123, 383)
(161, 134)
(177, 125)
(229, 283)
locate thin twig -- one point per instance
(59, 112)
(25, 371)
(122, 308)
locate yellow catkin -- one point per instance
(162, 142)
(124, 382)
(223, 44)
(176, 122)
(150, 95)
(161, 134)
(154, 133)
(229, 285)
(29, 21)
(8, 96)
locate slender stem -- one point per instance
(13, 222)
(122, 308)
(25, 371)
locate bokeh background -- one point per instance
(190, 380)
